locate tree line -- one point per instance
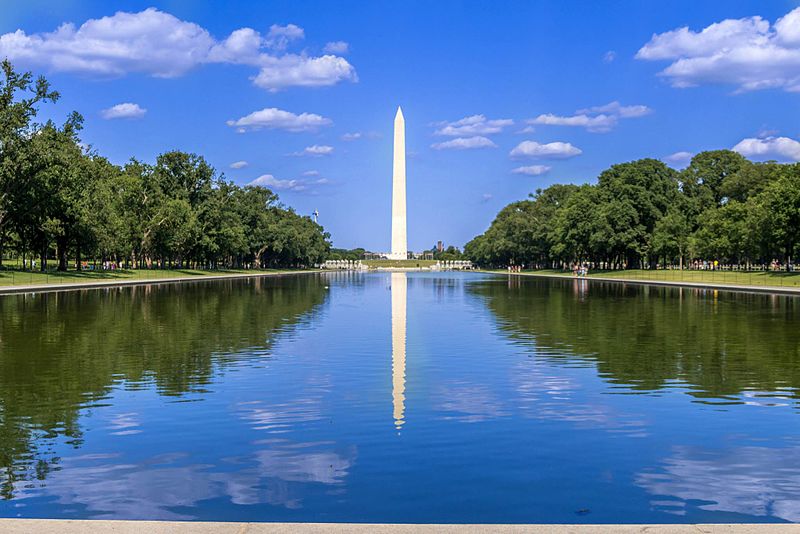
(644, 214)
(62, 201)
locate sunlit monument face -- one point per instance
(399, 241)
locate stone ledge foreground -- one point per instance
(57, 526)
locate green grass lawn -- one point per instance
(398, 263)
(754, 278)
(20, 278)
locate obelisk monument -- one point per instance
(399, 241)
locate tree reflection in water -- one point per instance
(720, 346)
(62, 353)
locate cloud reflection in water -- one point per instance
(277, 475)
(757, 481)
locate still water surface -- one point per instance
(395, 397)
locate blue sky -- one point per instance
(561, 91)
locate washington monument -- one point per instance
(399, 240)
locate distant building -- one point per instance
(439, 246)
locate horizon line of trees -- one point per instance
(448, 254)
(62, 201)
(644, 214)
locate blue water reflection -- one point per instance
(401, 397)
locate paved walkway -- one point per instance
(72, 286)
(56, 526)
(703, 285)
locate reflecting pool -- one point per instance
(401, 397)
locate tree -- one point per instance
(776, 214)
(724, 233)
(749, 180)
(641, 192)
(546, 204)
(523, 231)
(101, 231)
(60, 184)
(16, 134)
(575, 226)
(671, 236)
(256, 207)
(510, 237)
(704, 178)
(345, 254)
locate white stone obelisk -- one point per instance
(399, 240)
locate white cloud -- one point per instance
(268, 180)
(595, 119)
(279, 36)
(747, 53)
(781, 148)
(532, 170)
(159, 44)
(301, 71)
(681, 159)
(473, 125)
(351, 136)
(151, 42)
(307, 184)
(241, 47)
(618, 110)
(787, 28)
(239, 164)
(527, 129)
(274, 118)
(555, 150)
(486, 197)
(336, 47)
(727, 34)
(465, 143)
(609, 56)
(124, 111)
(315, 150)
(598, 123)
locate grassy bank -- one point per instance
(742, 278)
(32, 278)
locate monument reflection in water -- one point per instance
(399, 301)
